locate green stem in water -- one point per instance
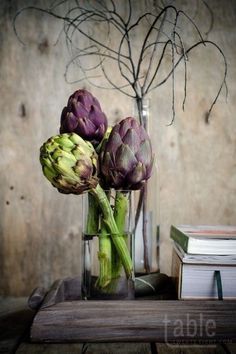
(120, 213)
(104, 256)
(110, 223)
(93, 216)
(92, 226)
(104, 253)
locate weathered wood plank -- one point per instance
(137, 321)
(117, 348)
(163, 348)
(88, 348)
(15, 320)
(28, 348)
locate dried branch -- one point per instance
(139, 71)
(223, 82)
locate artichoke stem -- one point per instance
(93, 216)
(120, 212)
(110, 223)
(104, 256)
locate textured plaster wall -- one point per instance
(40, 228)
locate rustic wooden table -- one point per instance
(16, 318)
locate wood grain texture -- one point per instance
(215, 348)
(40, 229)
(118, 348)
(15, 319)
(28, 348)
(139, 321)
(86, 348)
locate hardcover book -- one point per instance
(205, 240)
(198, 281)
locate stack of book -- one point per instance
(204, 261)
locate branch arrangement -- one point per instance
(141, 40)
(135, 39)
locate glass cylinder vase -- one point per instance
(108, 257)
(146, 204)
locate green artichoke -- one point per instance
(69, 163)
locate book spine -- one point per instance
(176, 272)
(180, 238)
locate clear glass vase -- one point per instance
(104, 275)
(147, 206)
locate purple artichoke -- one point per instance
(127, 158)
(83, 115)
